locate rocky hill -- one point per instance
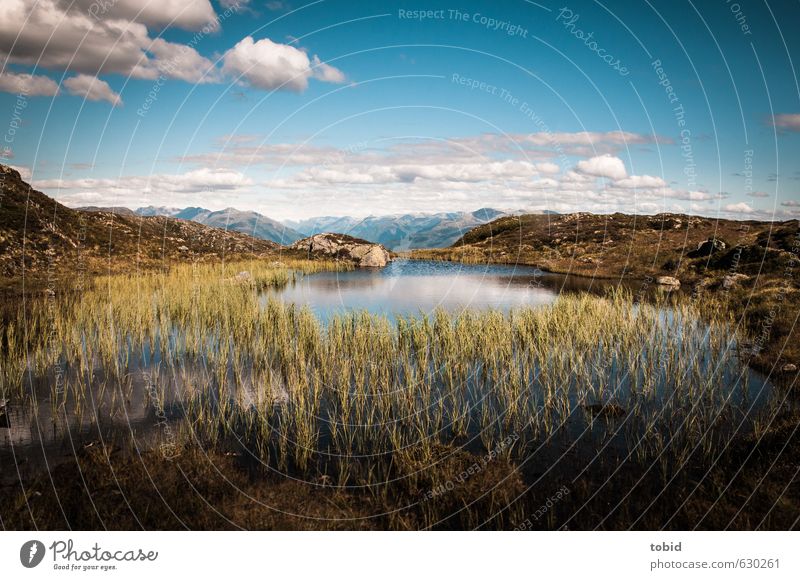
(41, 238)
(342, 247)
(675, 245)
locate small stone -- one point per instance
(732, 280)
(789, 368)
(668, 281)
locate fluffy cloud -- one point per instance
(788, 122)
(547, 167)
(96, 38)
(92, 89)
(141, 190)
(63, 36)
(740, 207)
(187, 14)
(640, 182)
(603, 166)
(758, 194)
(181, 62)
(790, 203)
(27, 84)
(325, 72)
(269, 65)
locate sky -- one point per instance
(300, 109)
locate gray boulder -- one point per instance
(342, 247)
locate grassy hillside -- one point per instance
(41, 238)
(617, 245)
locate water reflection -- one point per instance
(410, 287)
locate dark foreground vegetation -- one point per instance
(753, 485)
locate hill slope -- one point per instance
(247, 222)
(619, 244)
(39, 235)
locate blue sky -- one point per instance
(299, 109)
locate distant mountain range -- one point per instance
(246, 222)
(396, 232)
(403, 232)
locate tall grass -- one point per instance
(362, 398)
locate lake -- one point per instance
(413, 287)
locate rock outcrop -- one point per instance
(707, 248)
(342, 247)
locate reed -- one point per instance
(354, 400)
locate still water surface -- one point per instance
(413, 287)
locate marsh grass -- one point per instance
(362, 401)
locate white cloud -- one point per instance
(640, 182)
(97, 38)
(269, 65)
(546, 183)
(758, 194)
(740, 207)
(573, 177)
(580, 143)
(178, 61)
(55, 35)
(603, 166)
(531, 147)
(27, 84)
(698, 195)
(547, 167)
(92, 89)
(790, 203)
(187, 14)
(592, 138)
(789, 122)
(325, 72)
(445, 175)
(188, 188)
